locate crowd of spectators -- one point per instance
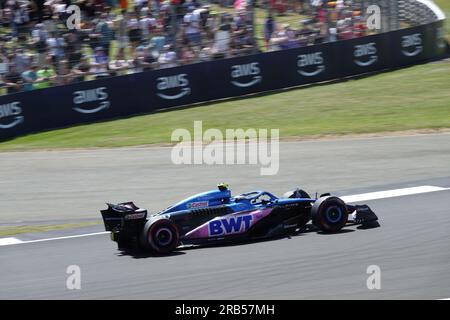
(38, 47)
(326, 21)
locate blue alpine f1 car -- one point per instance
(215, 216)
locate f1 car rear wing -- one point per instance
(119, 215)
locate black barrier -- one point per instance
(120, 96)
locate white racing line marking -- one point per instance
(392, 193)
(352, 198)
(9, 241)
(17, 241)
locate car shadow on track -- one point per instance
(335, 233)
(140, 254)
(136, 253)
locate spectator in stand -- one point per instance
(168, 58)
(278, 6)
(204, 54)
(12, 79)
(56, 46)
(39, 41)
(123, 4)
(121, 33)
(45, 76)
(64, 76)
(4, 61)
(134, 31)
(286, 38)
(93, 38)
(333, 35)
(269, 29)
(21, 60)
(359, 27)
(211, 26)
(29, 77)
(82, 70)
(147, 23)
(164, 23)
(306, 32)
(112, 3)
(103, 32)
(243, 37)
(186, 55)
(73, 47)
(99, 63)
(154, 6)
(59, 9)
(158, 41)
(222, 39)
(119, 65)
(344, 28)
(149, 62)
(20, 19)
(192, 27)
(139, 4)
(136, 64)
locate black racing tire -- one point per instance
(329, 214)
(160, 236)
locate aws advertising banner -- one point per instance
(145, 92)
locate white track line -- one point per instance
(351, 198)
(9, 241)
(51, 239)
(391, 193)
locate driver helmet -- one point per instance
(223, 186)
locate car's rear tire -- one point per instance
(329, 214)
(160, 236)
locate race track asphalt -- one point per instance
(412, 246)
(59, 185)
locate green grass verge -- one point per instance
(408, 99)
(10, 231)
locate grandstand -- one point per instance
(38, 50)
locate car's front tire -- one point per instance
(329, 214)
(160, 236)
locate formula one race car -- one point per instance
(215, 216)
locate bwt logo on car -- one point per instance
(173, 82)
(10, 115)
(91, 97)
(412, 45)
(245, 71)
(229, 225)
(365, 54)
(311, 64)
